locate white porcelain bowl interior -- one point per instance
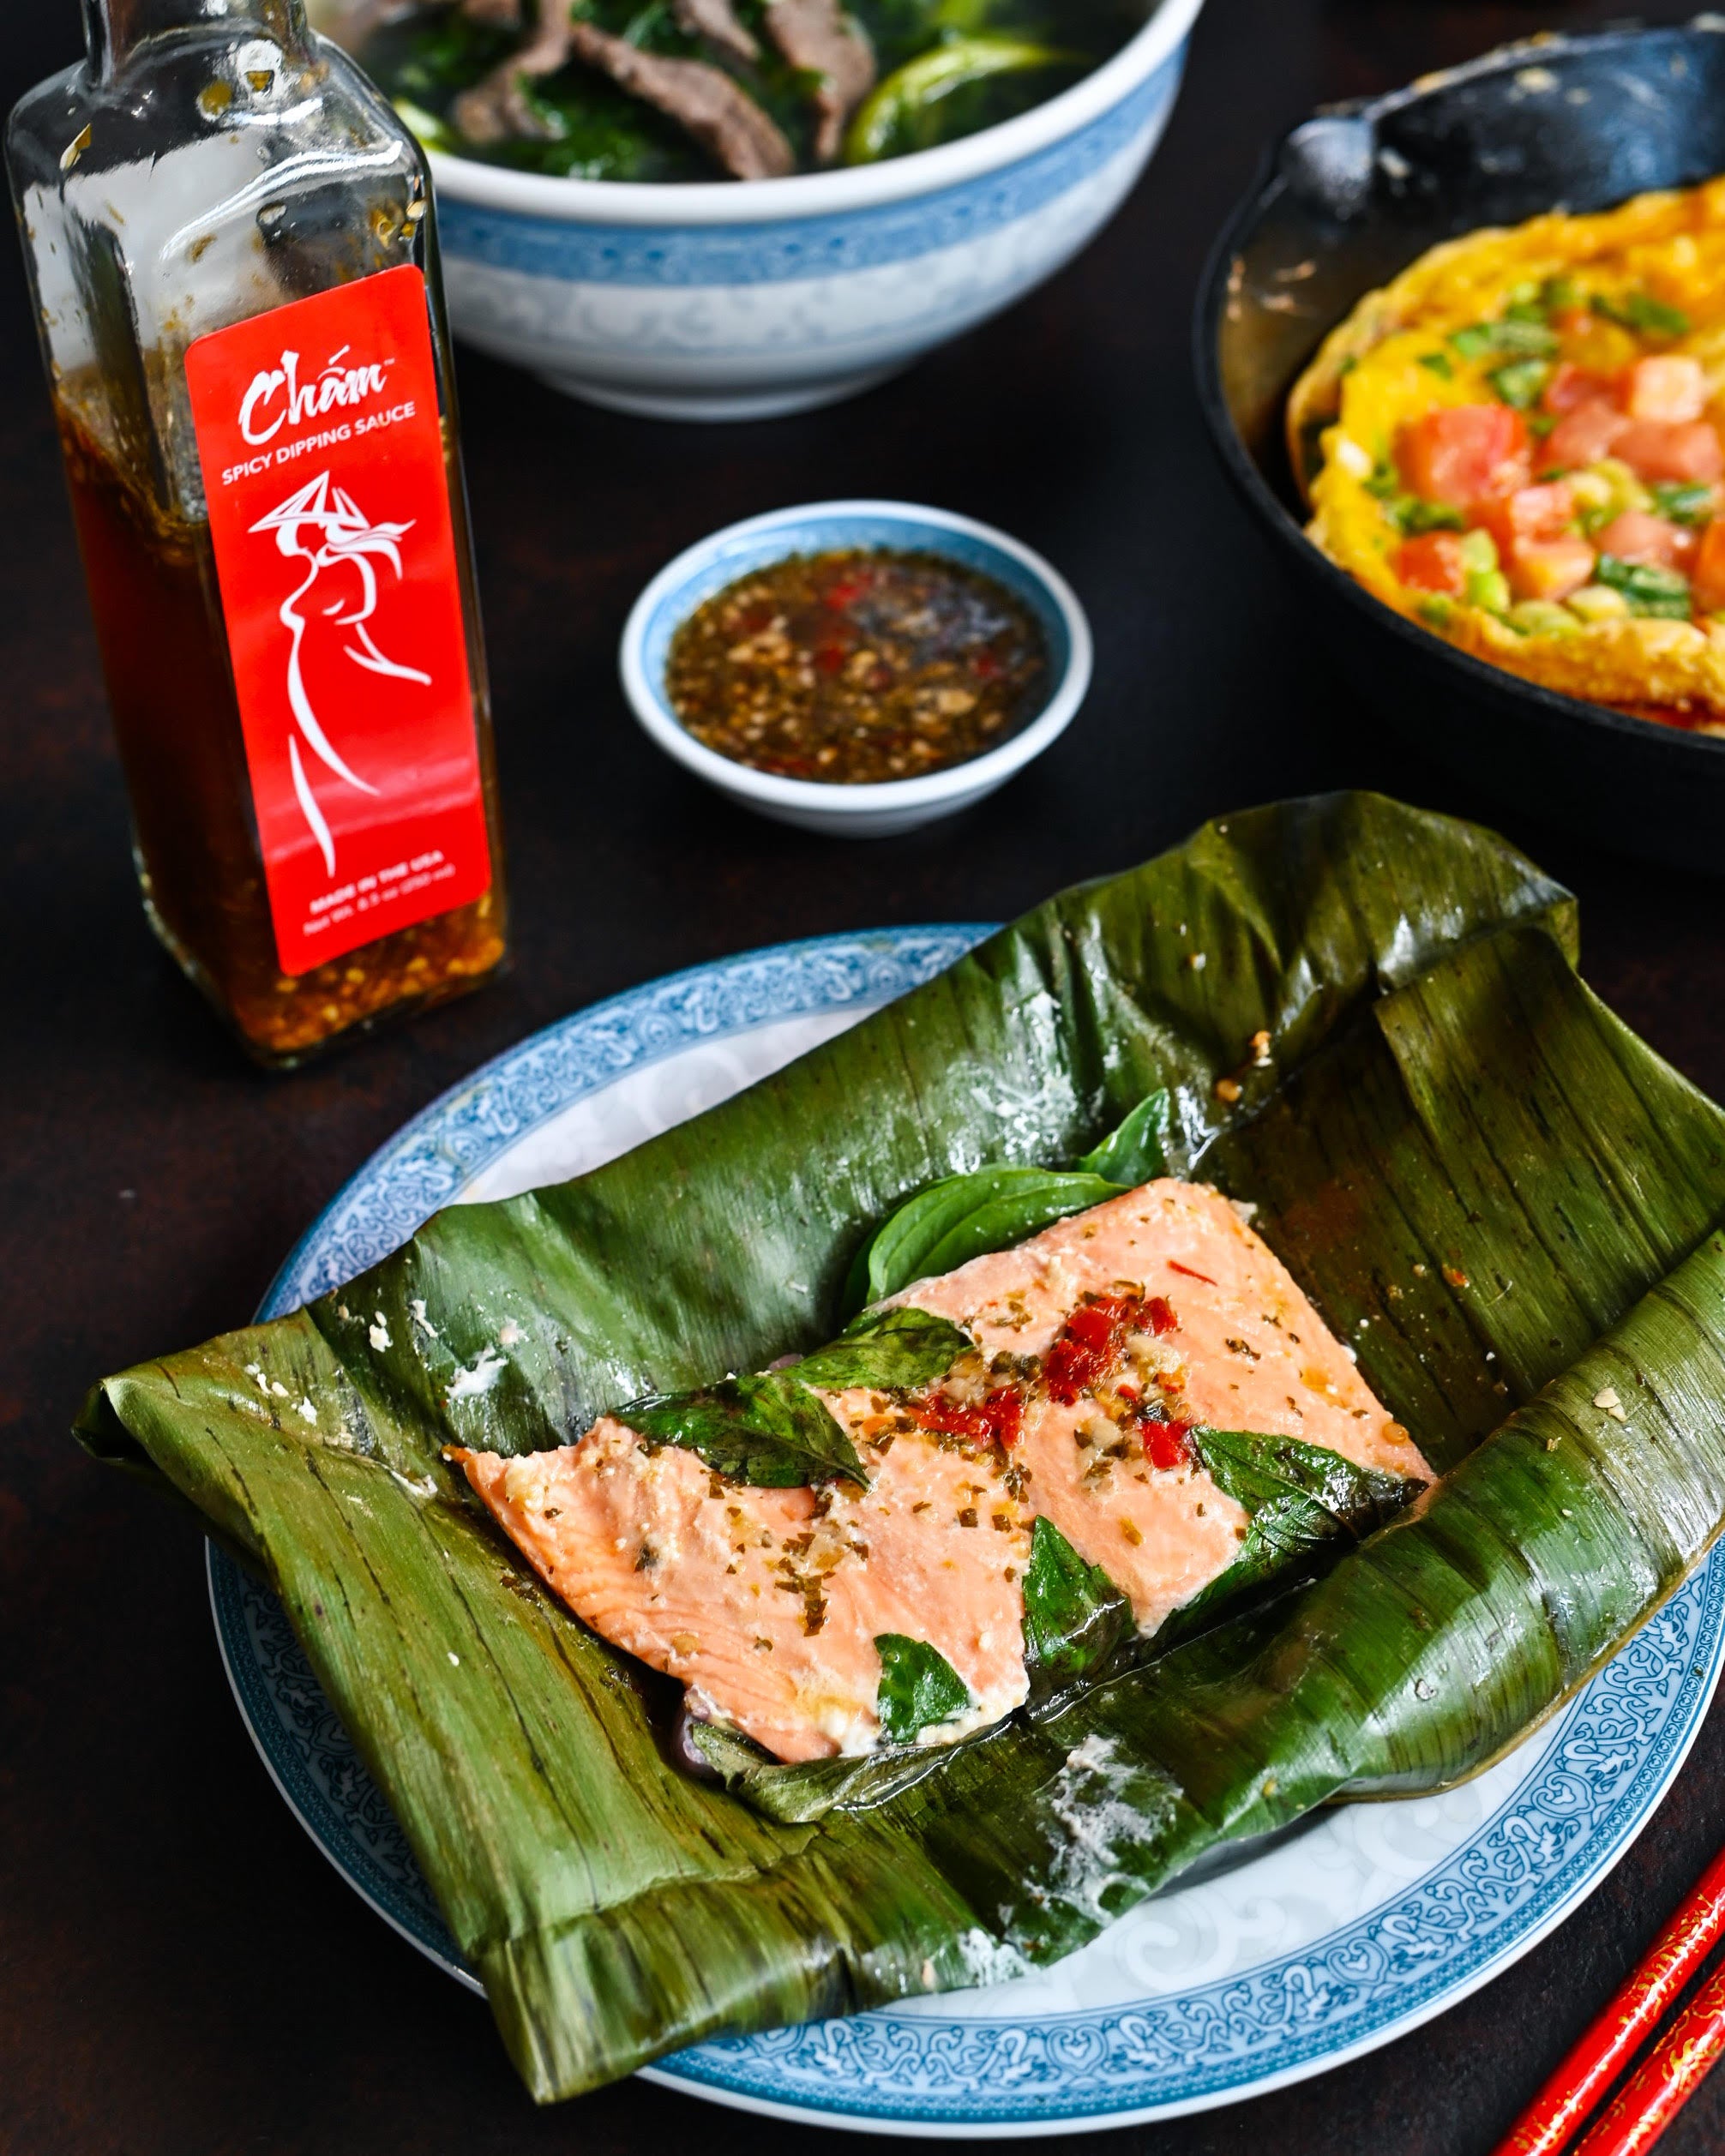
(735, 300)
(841, 811)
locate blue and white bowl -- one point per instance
(825, 527)
(734, 300)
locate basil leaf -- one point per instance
(919, 1688)
(1074, 1614)
(1258, 1470)
(1001, 1221)
(965, 1216)
(770, 1431)
(891, 1350)
(766, 1430)
(1299, 1497)
(1138, 1151)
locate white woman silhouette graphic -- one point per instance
(322, 525)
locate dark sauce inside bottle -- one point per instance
(158, 611)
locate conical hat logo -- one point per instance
(322, 524)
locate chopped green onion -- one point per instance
(1383, 482)
(1524, 310)
(1649, 590)
(1435, 611)
(1559, 294)
(1640, 310)
(1518, 381)
(1524, 337)
(1683, 500)
(1488, 588)
(1438, 362)
(1522, 340)
(1479, 553)
(1431, 516)
(1654, 314)
(1540, 424)
(1408, 513)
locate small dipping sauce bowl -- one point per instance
(870, 810)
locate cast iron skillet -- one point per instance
(1347, 199)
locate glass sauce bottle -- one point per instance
(232, 253)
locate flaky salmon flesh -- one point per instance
(766, 1604)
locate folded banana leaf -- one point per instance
(1499, 1196)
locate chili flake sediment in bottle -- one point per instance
(231, 248)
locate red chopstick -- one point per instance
(1666, 2078)
(1595, 2061)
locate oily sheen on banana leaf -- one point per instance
(1500, 1198)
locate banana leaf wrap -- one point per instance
(1499, 1196)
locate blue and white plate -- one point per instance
(1369, 1921)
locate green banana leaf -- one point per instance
(1303, 1504)
(1502, 1200)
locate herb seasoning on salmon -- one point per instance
(874, 1545)
(859, 667)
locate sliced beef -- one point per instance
(715, 22)
(703, 100)
(818, 37)
(497, 107)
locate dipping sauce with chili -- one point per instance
(857, 668)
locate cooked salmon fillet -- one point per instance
(767, 1604)
(1246, 1351)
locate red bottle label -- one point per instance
(322, 452)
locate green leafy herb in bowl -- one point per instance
(700, 89)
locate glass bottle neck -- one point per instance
(114, 29)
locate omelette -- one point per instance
(1095, 1355)
(1517, 443)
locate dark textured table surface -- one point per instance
(180, 1970)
